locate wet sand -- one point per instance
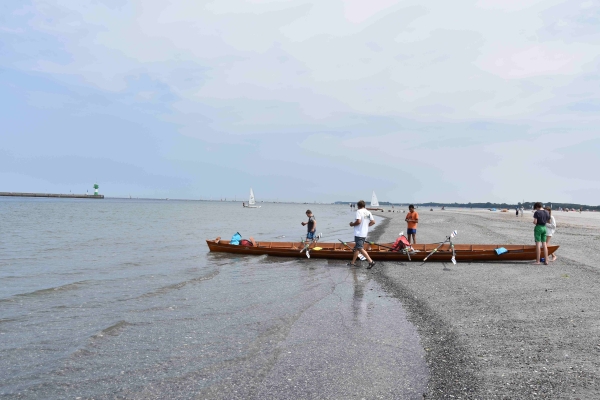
(505, 330)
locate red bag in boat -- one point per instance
(246, 242)
(401, 243)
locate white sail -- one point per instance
(251, 201)
(374, 202)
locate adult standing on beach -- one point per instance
(363, 220)
(550, 229)
(412, 220)
(540, 218)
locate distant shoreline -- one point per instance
(498, 206)
(526, 205)
(53, 195)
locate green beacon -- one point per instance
(96, 189)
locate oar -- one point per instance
(380, 245)
(404, 251)
(315, 240)
(360, 256)
(453, 234)
(305, 244)
(385, 247)
(391, 248)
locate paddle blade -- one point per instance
(307, 254)
(454, 234)
(453, 260)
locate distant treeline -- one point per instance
(526, 205)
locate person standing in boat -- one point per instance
(540, 218)
(363, 220)
(550, 229)
(412, 220)
(311, 226)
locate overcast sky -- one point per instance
(489, 100)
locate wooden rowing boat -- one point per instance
(339, 251)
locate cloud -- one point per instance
(285, 82)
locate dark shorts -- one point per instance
(311, 235)
(359, 242)
(411, 231)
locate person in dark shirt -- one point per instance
(311, 226)
(540, 217)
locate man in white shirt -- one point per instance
(364, 219)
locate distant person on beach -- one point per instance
(550, 229)
(412, 220)
(363, 220)
(540, 218)
(517, 209)
(311, 226)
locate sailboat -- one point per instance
(374, 203)
(251, 201)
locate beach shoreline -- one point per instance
(507, 329)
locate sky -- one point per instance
(307, 100)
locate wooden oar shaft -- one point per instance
(391, 248)
(436, 249)
(362, 258)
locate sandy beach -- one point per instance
(503, 330)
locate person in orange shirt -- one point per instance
(412, 219)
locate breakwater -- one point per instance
(59, 195)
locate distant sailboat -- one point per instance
(374, 203)
(251, 201)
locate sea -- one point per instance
(121, 298)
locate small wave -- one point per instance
(62, 288)
(178, 285)
(3, 320)
(132, 264)
(112, 330)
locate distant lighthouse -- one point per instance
(96, 189)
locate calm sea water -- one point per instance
(121, 299)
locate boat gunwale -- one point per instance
(339, 251)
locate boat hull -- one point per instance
(338, 251)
